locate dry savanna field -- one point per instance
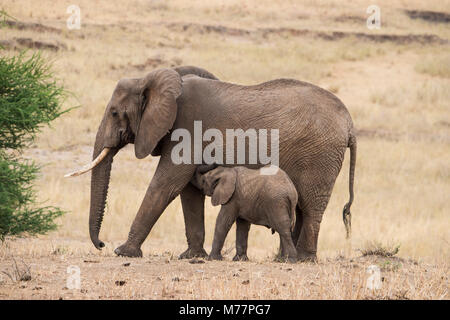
(395, 82)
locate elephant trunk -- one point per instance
(201, 169)
(99, 189)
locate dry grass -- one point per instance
(105, 276)
(435, 65)
(379, 249)
(18, 272)
(397, 94)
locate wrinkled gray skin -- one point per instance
(248, 197)
(314, 126)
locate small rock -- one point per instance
(196, 261)
(120, 283)
(25, 277)
(246, 282)
(127, 264)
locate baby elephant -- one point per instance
(248, 197)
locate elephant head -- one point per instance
(218, 183)
(141, 111)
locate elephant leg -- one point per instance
(281, 223)
(193, 203)
(224, 221)
(298, 225)
(289, 251)
(167, 183)
(281, 251)
(295, 234)
(242, 229)
(312, 212)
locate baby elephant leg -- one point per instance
(281, 222)
(281, 251)
(288, 251)
(242, 228)
(224, 221)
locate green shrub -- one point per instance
(29, 99)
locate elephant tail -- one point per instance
(293, 213)
(346, 214)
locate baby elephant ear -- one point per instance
(160, 88)
(225, 186)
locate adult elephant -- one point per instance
(314, 127)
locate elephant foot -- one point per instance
(292, 260)
(282, 259)
(126, 250)
(215, 256)
(193, 253)
(240, 257)
(304, 256)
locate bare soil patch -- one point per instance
(431, 16)
(21, 43)
(156, 62)
(350, 18)
(38, 27)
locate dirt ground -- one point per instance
(162, 276)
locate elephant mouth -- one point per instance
(126, 137)
(89, 166)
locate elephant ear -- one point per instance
(160, 90)
(225, 187)
(184, 70)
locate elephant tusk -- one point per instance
(89, 166)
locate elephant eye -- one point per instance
(215, 183)
(114, 113)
